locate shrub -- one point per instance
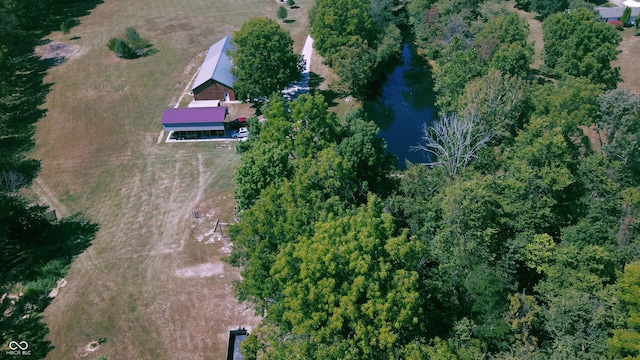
(291, 3)
(64, 27)
(626, 16)
(132, 46)
(282, 13)
(523, 4)
(121, 48)
(616, 23)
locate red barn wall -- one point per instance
(215, 91)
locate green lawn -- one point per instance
(99, 152)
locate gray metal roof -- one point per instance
(615, 12)
(217, 65)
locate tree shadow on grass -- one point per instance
(35, 259)
(288, 21)
(330, 96)
(314, 81)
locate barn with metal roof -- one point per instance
(215, 80)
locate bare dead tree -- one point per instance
(11, 181)
(454, 140)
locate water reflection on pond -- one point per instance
(404, 105)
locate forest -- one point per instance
(36, 250)
(516, 241)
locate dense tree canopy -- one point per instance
(619, 126)
(347, 288)
(263, 59)
(545, 8)
(526, 248)
(578, 44)
(500, 101)
(302, 166)
(355, 37)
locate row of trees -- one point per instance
(35, 250)
(518, 241)
(306, 190)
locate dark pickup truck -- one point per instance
(236, 124)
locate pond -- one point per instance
(403, 107)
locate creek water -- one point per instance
(404, 106)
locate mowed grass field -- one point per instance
(152, 284)
(628, 61)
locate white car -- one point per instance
(241, 133)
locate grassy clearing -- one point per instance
(151, 284)
(628, 61)
(535, 33)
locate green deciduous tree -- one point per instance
(350, 289)
(36, 253)
(366, 155)
(580, 308)
(302, 166)
(263, 61)
(334, 23)
(354, 64)
(618, 122)
(427, 25)
(625, 342)
(258, 170)
(539, 181)
(513, 59)
(577, 44)
(499, 101)
(507, 29)
(570, 103)
(291, 3)
(458, 65)
(547, 7)
(354, 37)
(314, 126)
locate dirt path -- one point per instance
(307, 51)
(302, 87)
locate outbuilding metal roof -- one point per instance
(198, 115)
(217, 65)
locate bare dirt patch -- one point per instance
(58, 51)
(201, 271)
(59, 284)
(88, 349)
